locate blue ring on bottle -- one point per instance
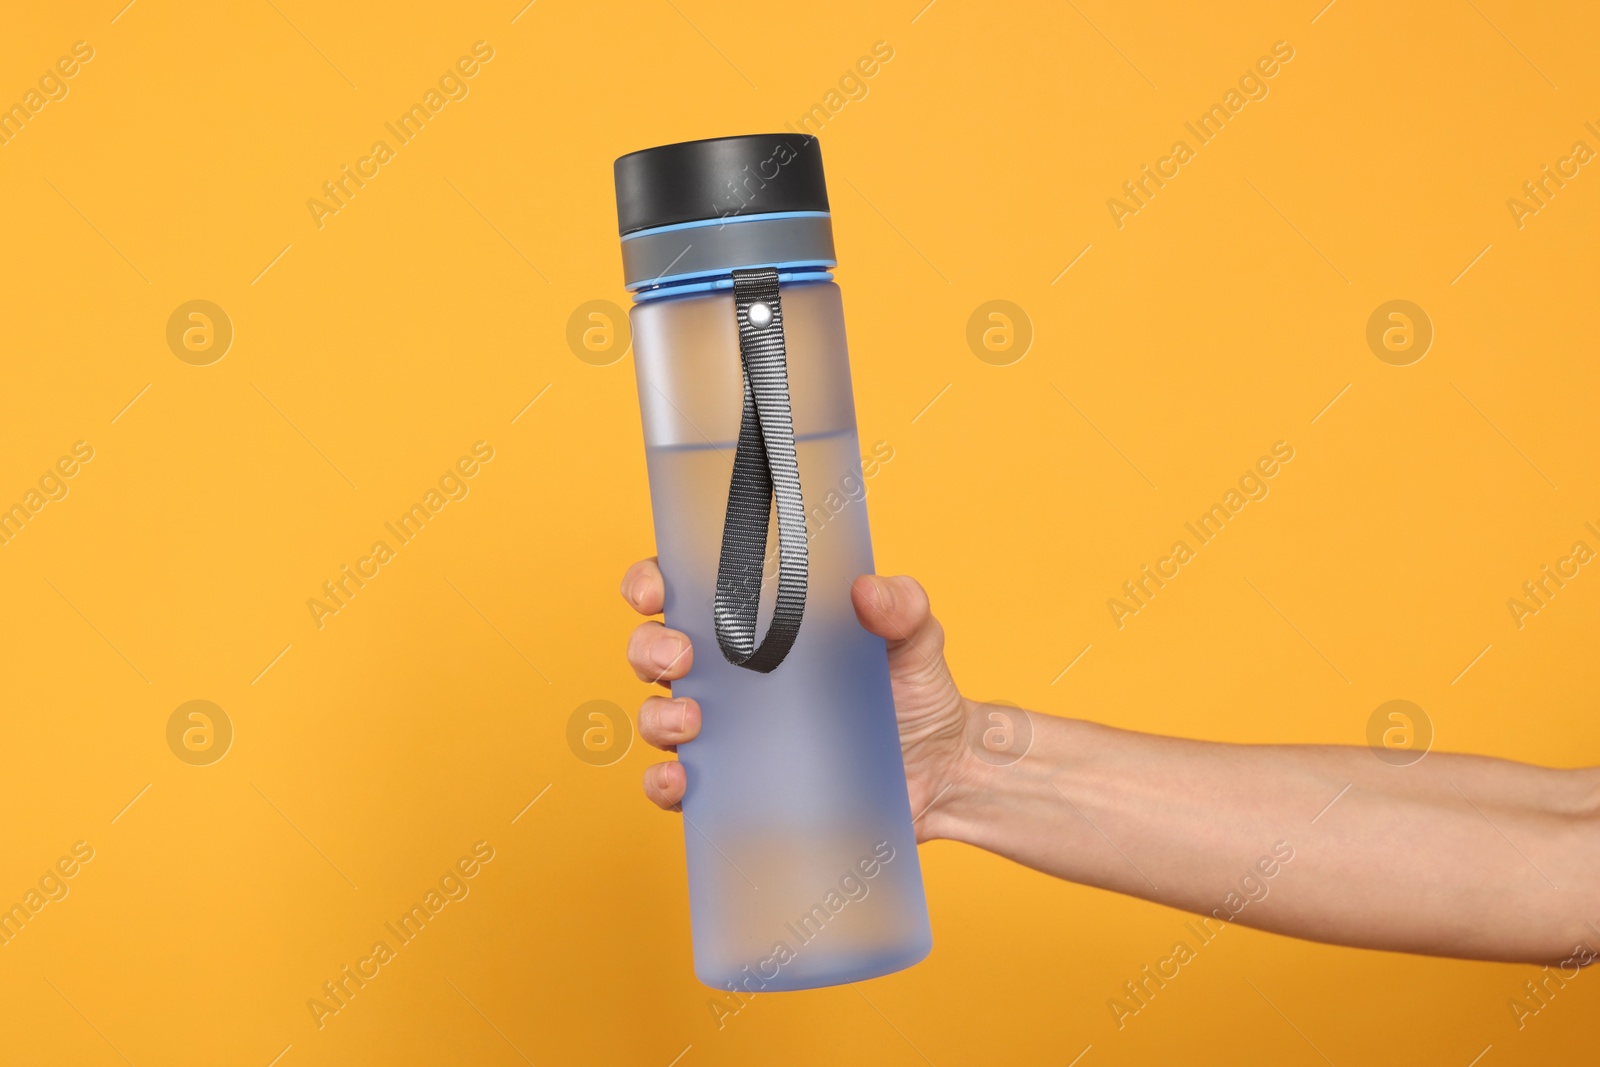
(726, 220)
(688, 285)
(787, 273)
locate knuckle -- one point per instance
(640, 638)
(657, 723)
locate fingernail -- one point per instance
(683, 715)
(665, 652)
(636, 593)
(885, 593)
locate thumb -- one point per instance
(897, 610)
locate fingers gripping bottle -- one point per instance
(802, 859)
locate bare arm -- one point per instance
(1456, 855)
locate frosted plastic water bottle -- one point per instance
(802, 859)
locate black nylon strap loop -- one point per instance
(764, 467)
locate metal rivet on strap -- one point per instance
(760, 315)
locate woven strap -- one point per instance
(764, 466)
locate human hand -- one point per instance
(932, 714)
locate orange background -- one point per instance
(372, 753)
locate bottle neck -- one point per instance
(702, 255)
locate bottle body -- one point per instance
(803, 868)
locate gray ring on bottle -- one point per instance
(750, 241)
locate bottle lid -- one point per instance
(721, 177)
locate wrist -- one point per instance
(1009, 764)
(995, 740)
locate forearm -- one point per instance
(1456, 855)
